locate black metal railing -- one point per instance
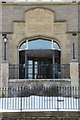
(40, 98)
(79, 71)
(48, 71)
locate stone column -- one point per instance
(4, 73)
(74, 73)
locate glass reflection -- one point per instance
(56, 46)
(39, 44)
(22, 46)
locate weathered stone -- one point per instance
(54, 22)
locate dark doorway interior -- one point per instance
(38, 64)
(39, 68)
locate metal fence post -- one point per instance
(57, 101)
(21, 98)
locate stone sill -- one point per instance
(43, 80)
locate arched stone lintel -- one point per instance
(33, 8)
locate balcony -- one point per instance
(44, 71)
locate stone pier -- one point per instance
(4, 73)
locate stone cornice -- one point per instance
(71, 32)
(6, 32)
(39, 3)
(59, 21)
(18, 21)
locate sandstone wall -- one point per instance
(16, 22)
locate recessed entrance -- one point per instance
(39, 69)
(38, 63)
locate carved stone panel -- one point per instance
(39, 21)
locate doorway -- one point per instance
(39, 68)
(39, 64)
(38, 59)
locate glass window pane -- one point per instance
(39, 44)
(56, 46)
(22, 46)
(30, 62)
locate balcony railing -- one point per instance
(40, 98)
(48, 71)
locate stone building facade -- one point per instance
(55, 27)
(24, 21)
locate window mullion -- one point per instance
(52, 44)
(26, 44)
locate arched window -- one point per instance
(39, 44)
(56, 46)
(22, 46)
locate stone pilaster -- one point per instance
(4, 73)
(4, 78)
(74, 73)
